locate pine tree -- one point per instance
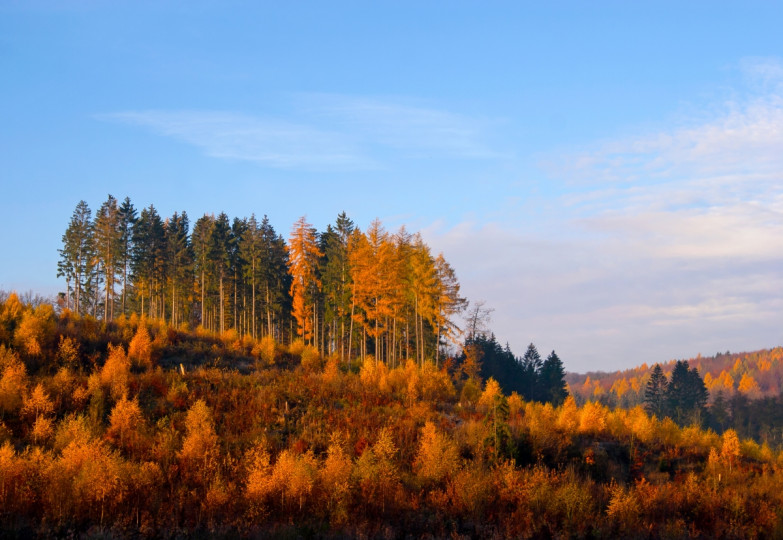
(531, 368)
(179, 261)
(655, 393)
(200, 241)
(107, 249)
(686, 395)
(220, 257)
(552, 380)
(76, 255)
(127, 220)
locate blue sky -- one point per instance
(607, 177)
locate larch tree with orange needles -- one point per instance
(303, 256)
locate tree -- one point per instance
(531, 367)
(200, 240)
(686, 395)
(127, 220)
(655, 393)
(149, 260)
(552, 380)
(220, 257)
(108, 237)
(448, 303)
(250, 246)
(303, 253)
(76, 255)
(336, 278)
(179, 261)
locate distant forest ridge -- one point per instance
(754, 375)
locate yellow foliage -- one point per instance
(37, 403)
(125, 422)
(140, 348)
(730, 448)
(436, 458)
(265, 350)
(200, 444)
(491, 393)
(259, 480)
(568, 416)
(13, 382)
(748, 385)
(116, 372)
(36, 325)
(592, 418)
(43, 428)
(71, 429)
(516, 404)
(335, 478)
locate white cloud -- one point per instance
(421, 131)
(336, 133)
(664, 245)
(273, 143)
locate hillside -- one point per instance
(751, 374)
(134, 427)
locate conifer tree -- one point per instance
(107, 249)
(179, 260)
(655, 393)
(220, 257)
(127, 220)
(552, 380)
(200, 240)
(76, 255)
(304, 253)
(531, 367)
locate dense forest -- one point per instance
(136, 427)
(744, 391)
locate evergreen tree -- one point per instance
(149, 261)
(552, 380)
(107, 249)
(76, 255)
(179, 260)
(127, 220)
(655, 393)
(220, 257)
(531, 368)
(200, 240)
(686, 395)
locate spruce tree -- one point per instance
(531, 367)
(76, 256)
(552, 380)
(655, 393)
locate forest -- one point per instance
(225, 382)
(341, 290)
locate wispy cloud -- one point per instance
(331, 132)
(664, 244)
(420, 131)
(273, 143)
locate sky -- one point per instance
(606, 176)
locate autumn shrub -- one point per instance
(311, 359)
(436, 459)
(13, 380)
(296, 347)
(264, 350)
(115, 372)
(140, 348)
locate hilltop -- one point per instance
(134, 427)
